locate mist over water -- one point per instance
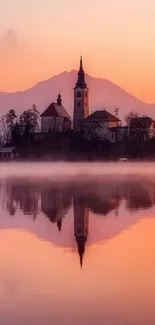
(75, 171)
(77, 243)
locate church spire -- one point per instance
(81, 247)
(59, 99)
(81, 76)
(81, 64)
(81, 260)
(59, 224)
(81, 100)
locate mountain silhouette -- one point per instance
(103, 94)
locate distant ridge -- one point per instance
(103, 94)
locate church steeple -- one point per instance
(81, 225)
(81, 64)
(81, 247)
(81, 77)
(59, 224)
(81, 100)
(59, 99)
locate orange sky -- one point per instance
(116, 39)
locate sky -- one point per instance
(39, 39)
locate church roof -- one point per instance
(81, 83)
(7, 149)
(102, 115)
(55, 110)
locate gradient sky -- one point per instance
(41, 38)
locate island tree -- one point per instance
(7, 123)
(130, 116)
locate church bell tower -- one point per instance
(81, 226)
(81, 101)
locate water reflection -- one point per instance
(55, 200)
(49, 230)
(55, 204)
(92, 197)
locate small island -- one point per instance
(54, 135)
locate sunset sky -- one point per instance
(39, 39)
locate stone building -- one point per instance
(101, 125)
(55, 118)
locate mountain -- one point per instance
(103, 94)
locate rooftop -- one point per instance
(7, 149)
(102, 115)
(55, 110)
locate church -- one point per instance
(55, 118)
(98, 125)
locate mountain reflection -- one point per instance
(54, 201)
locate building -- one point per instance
(55, 118)
(81, 100)
(142, 127)
(101, 125)
(81, 225)
(8, 152)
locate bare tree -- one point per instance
(130, 116)
(116, 112)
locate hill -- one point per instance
(103, 94)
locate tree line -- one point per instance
(13, 126)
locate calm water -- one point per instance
(77, 244)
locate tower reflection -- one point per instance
(81, 225)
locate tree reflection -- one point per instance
(16, 196)
(53, 201)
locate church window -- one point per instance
(78, 94)
(78, 104)
(86, 95)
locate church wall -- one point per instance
(46, 122)
(98, 130)
(55, 124)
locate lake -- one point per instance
(77, 244)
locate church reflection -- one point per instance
(81, 225)
(54, 202)
(55, 205)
